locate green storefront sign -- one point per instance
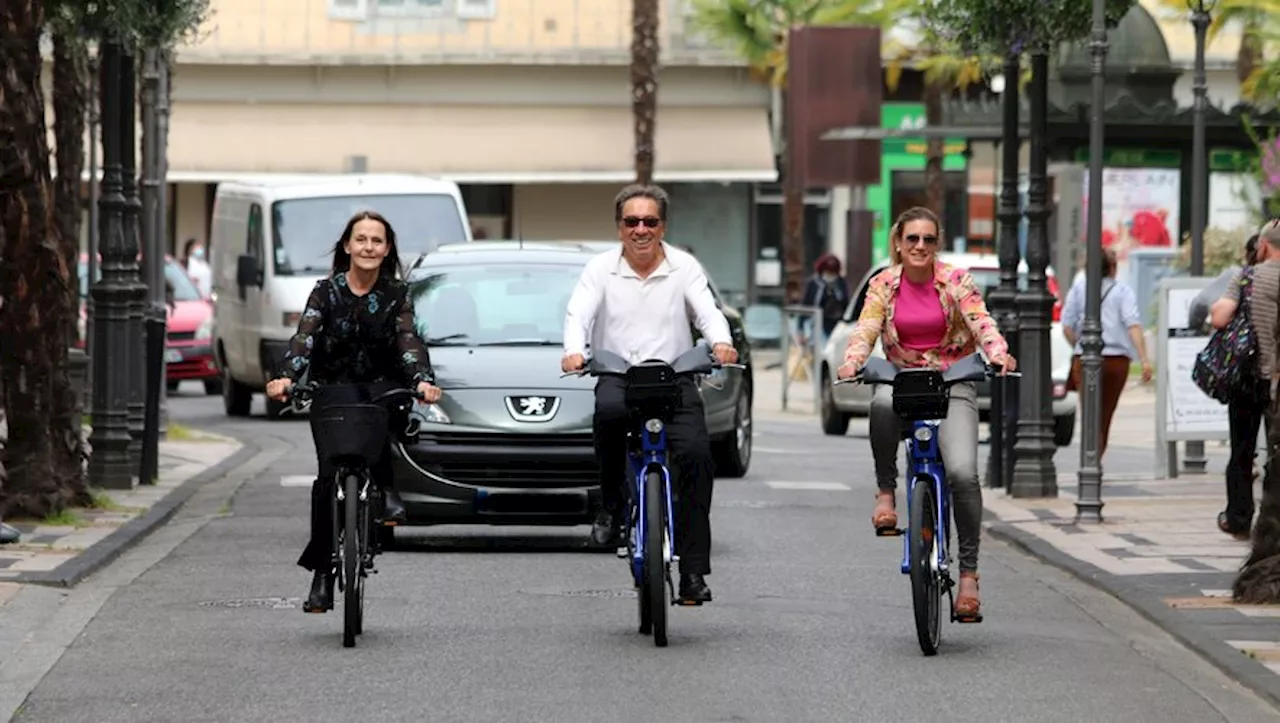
(901, 154)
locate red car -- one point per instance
(188, 351)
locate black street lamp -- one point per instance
(1033, 469)
(1009, 213)
(1089, 478)
(134, 370)
(1200, 10)
(109, 464)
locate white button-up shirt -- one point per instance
(641, 319)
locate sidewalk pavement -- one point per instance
(63, 552)
(1158, 550)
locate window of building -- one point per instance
(364, 9)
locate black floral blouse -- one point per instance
(348, 339)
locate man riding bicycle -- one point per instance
(637, 301)
(928, 314)
(356, 338)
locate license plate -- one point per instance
(172, 355)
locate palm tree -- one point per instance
(644, 84)
(758, 30)
(35, 284)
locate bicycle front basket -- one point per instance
(920, 395)
(652, 389)
(350, 434)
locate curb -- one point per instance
(106, 550)
(1232, 662)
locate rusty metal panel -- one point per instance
(834, 81)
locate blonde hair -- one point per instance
(915, 213)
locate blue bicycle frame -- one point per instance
(924, 465)
(648, 455)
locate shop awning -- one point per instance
(211, 142)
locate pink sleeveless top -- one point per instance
(917, 315)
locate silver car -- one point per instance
(840, 403)
(510, 442)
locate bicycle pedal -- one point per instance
(621, 552)
(389, 523)
(889, 531)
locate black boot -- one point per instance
(320, 598)
(693, 588)
(606, 530)
(392, 507)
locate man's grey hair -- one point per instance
(641, 190)
(1271, 233)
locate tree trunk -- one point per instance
(70, 101)
(1259, 580)
(34, 284)
(935, 179)
(1249, 56)
(644, 84)
(793, 191)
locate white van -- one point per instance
(270, 242)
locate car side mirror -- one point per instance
(248, 273)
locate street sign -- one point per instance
(1183, 412)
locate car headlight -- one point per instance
(431, 413)
(205, 330)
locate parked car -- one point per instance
(188, 351)
(510, 441)
(840, 403)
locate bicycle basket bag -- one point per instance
(350, 434)
(652, 389)
(920, 395)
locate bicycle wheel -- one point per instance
(351, 561)
(655, 565)
(642, 599)
(926, 593)
(365, 540)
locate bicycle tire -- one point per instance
(926, 595)
(655, 566)
(351, 561)
(365, 541)
(642, 599)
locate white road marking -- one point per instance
(297, 480)
(775, 450)
(823, 486)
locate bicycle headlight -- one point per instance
(653, 426)
(923, 434)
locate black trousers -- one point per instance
(318, 554)
(1246, 413)
(689, 459)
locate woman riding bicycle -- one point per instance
(928, 314)
(356, 338)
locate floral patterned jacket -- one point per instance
(968, 323)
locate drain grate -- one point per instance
(269, 603)
(604, 593)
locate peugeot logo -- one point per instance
(533, 408)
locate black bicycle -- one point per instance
(353, 437)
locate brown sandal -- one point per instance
(968, 608)
(885, 517)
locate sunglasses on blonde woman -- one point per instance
(915, 238)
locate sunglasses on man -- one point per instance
(648, 221)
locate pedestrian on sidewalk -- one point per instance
(1122, 340)
(928, 315)
(1249, 406)
(827, 290)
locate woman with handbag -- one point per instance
(1251, 296)
(1121, 338)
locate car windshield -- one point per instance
(183, 288)
(304, 229)
(498, 304)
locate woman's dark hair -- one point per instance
(1109, 261)
(1251, 250)
(827, 262)
(390, 263)
(186, 248)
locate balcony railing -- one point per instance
(445, 31)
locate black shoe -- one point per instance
(392, 507)
(693, 588)
(320, 598)
(605, 531)
(8, 534)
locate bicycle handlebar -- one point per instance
(988, 371)
(298, 398)
(586, 370)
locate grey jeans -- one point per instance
(958, 442)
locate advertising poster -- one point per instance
(1140, 208)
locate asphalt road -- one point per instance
(812, 620)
